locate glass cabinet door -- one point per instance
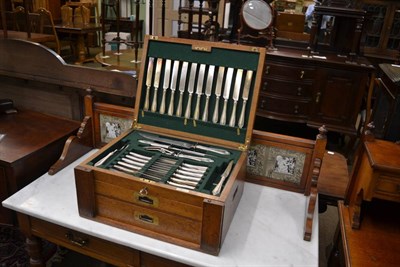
(382, 28)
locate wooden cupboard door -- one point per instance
(337, 99)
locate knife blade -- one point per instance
(227, 90)
(224, 175)
(174, 80)
(218, 89)
(183, 144)
(167, 72)
(156, 84)
(148, 83)
(192, 78)
(182, 84)
(210, 79)
(235, 96)
(199, 90)
(245, 96)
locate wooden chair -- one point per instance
(66, 15)
(81, 15)
(19, 19)
(46, 26)
(288, 163)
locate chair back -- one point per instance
(46, 26)
(19, 19)
(66, 15)
(82, 15)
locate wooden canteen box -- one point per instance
(178, 174)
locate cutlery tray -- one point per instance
(178, 174)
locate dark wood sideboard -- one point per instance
(316, 90)
(30, 142)
(386, 110)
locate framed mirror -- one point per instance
(256, 20)
(257, 14)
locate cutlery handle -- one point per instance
(232, 121)
(241, 118)
(223, 115)
(213, 149)
(188, 107)
(179, 108)
(162, 106)
(217, 188)
(154, 103)
(197, 109)
(205, 112)
(146, 100)
(171, 104)
(216, 110)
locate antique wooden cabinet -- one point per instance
(376, 175)
(316, 90)
(386, 110)
(178, 175)
(382, 31)
(30, 142)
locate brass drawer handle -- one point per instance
(317, 98)
(78, 241)
(139, 216)
(299, 91)
(302, 74)
(296, 109)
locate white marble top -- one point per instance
(267, 229)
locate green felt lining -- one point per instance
(207, 182)
(237, 59)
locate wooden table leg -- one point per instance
(81, 49)
(33, 243)
(34, 247)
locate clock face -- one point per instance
(257, 14)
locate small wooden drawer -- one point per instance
(284, 106)
(85, 244)
(291, 72)
(287, 88)
(147, 196)
(388, 187)
(135, 216)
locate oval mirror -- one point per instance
(257, 14)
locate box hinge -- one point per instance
(153, 37)
(245, 146)
(136, 125)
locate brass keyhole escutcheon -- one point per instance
(143, 191)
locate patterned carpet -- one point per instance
(13, 249)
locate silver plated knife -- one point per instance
(218, 89)
(235, 96)
(182, 84)
(245, 96)
(227, 90)
(183, 144)
(174, 80)
(156, 84)
(199, 90)
(210, 79)
(224, 175)
(167, 76)
(192, 78)
(148, 83)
